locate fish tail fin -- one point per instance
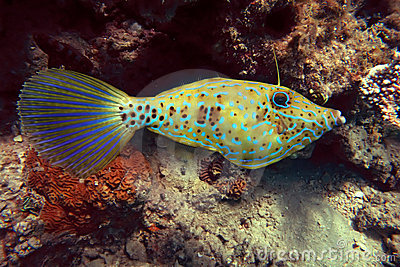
(73, 120)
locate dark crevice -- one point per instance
(280, 21)
(373, 11)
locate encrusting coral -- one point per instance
(78, 206)
(381, 89)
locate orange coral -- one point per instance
(81, 206)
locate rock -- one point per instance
(91, 253)
(381, 214)
(96, 263)
(376, 156)
(18, 138)
(34, 242)
(23, 227)
(135, 250)
(392, 243)
(359, 194)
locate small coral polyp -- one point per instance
(381, 89)
(79, 207)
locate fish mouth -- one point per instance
(339, 119)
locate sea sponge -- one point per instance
(76, 206)
(381, 89)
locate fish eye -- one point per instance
(280, 99)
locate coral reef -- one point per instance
(381, 213)
(381, 89)
(321, 46)
(370, 141)
(78, 206)
(19, 223)
(375, 155)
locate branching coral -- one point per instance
(381, 89)
(81, 206)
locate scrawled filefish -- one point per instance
(81, 123)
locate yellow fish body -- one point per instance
(81, 123)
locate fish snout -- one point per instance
(339, 119)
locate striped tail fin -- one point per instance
(73, 120)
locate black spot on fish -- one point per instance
(161, 118)
(123, 116)
(141, 117)
(121, 108)
(139, 108)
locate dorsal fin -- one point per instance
(177, 78)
